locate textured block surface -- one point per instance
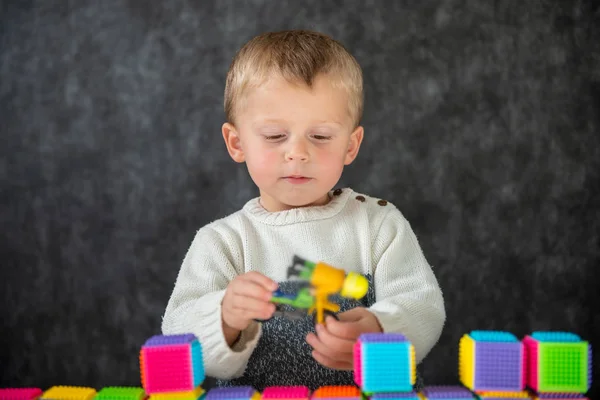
(446, 392)
(491, 361)
(493, 336)
(410, 395)
(504, 395)
(345, 392)
(171, 363)
(20, 393)
(558, 362)
(386, 363)
(69, 393)
(286, 392)
(195, 394)
(121, 393)
(357, 364)
(231, 393)
(499, 366)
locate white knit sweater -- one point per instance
(353, 231)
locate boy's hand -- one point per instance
(333, 345)
(247, 297)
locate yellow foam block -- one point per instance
(69, 393)
(466, 361)
(189, 395)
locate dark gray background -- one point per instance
(482, 126)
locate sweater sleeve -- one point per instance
(408, 298)
(195, 303)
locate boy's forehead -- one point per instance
(276, 101)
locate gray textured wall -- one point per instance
(482, 125)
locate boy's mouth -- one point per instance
(297, 179)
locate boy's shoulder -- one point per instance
(373, 206)
(229, 223)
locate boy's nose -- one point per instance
(297, 151)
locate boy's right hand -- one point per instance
(247, 298)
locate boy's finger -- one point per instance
(251, 289)
(329, 363)
(329, 345)
(349, 330)
(260, 279)
(254, 308)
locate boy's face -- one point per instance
(295, 141)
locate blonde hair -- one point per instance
(297, 56)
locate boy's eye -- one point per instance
(321, 137)
(274, 137)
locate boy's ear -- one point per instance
(356, 138)
(232, 141)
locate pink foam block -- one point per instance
(357, 366)
(286, 392)
(531, 357)
(20, 393)
(167, 369)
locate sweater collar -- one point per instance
(339, 198)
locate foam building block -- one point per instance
(69, 393)
(491, 361)
(412, 395)
(558, 362)
(558, 396)
(170, 364)
(20, 393)
(449, 392)
(121, 393)
(196, 394)
(233, 393)
(504, 395)
(342, 392)
(286, 392)
(384, 363)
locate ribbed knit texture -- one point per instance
(353, 231)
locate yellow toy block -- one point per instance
(69, 393)
(504, 395)
(189, 395)
(466, 361)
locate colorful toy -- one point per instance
(196, 394)
(558, 396)
(322, 280)
(446, 393)
(233, 393)
(384, 363)
(493, 365)
(337, 393)
(558, 362)
(20, 393)
(412, 395)
(69, 393)
(286, 392)
(171, 367)
(491, 361)
(121, 393)
(504, 395)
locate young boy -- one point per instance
(293, 102)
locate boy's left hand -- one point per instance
(333, 344)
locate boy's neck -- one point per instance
(272, 205)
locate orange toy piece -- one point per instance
(347, 392)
